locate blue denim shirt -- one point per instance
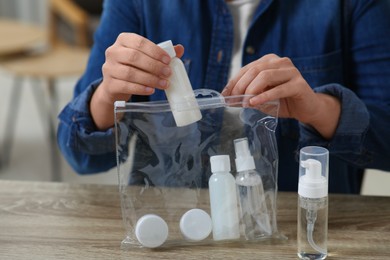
(340, 49)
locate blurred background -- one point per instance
(44, 45)
(36, 37)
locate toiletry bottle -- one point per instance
(223, 200)
(253, 207)
(180, 95)
(313, 203)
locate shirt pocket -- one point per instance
(322, 69)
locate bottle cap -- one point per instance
(195, 225)
(151, 230)
(220, 163)
(312, 184)
(168, 47)
(313, 172)
(244, 159)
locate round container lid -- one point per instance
(151, 230)
(195, 224)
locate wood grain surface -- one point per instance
(79, 221)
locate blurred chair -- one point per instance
(60, 59)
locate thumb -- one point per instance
(179, 49)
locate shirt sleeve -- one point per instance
(83, 146)
(362, 136)
(352, 128)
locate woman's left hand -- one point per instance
(271, 78)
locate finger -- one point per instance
(272, 94)
(135, 58)
(227, 91)
(266, 62)
(179, 49)
(267, 79)
(134, 75)
(245, 81)
(132, 88)
(249, 74)
(139, 43)
(295, 89)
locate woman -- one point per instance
(327, 61)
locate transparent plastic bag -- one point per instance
(164, 169)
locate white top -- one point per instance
(195, 224)
(220, 163)
(168, 47)
(312, 184)
(244, 159)
(151, 230)
(242, 12)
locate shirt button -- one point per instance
(219, 56)
(250, 50)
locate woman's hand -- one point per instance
(271, 78)
(134, 66)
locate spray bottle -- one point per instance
(313, 203)
(254, 213)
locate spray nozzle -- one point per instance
(241, 147)
(244, 158)
(312, 184)
(313, 169)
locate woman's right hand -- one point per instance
(134, 66)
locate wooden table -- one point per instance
(68, 221)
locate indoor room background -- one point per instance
(30, 155)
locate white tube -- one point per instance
(180, 95)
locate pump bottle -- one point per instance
(223, 200)
(313, 203)
(180, 95)
(253, 208)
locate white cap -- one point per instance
(244, 159)
(312, 184)
(168, 47)
(195, 225)
(151, 230)
(220, 163)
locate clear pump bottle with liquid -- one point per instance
(223, 199)
(313, 203)
(253, 207)
(180, 94)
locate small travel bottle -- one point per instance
(180, 94)
(223, 199)
(313, 203)
(253, 207)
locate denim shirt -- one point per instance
(342, 48)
